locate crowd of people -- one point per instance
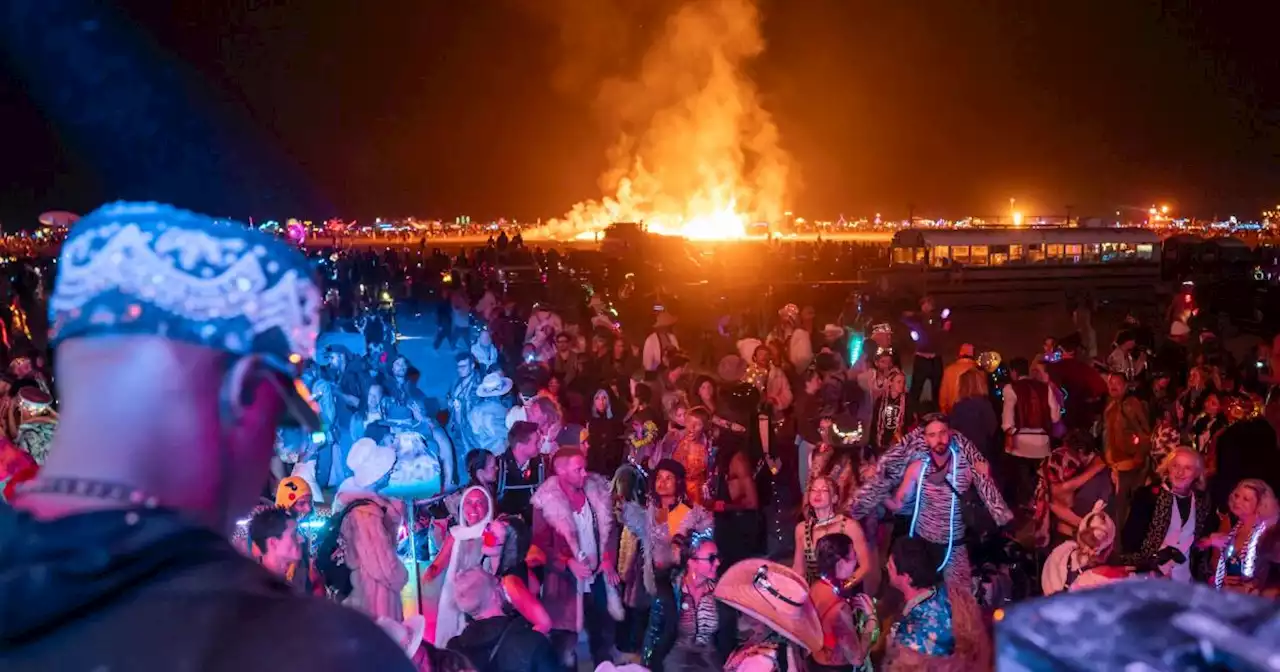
(786, 495)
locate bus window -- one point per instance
(978, 255)
(903, 255)
(1146, 251)
(1108, 252)
(1053, 251)
(1091, 253)
(960, 253)
(1074, 253)
(1035, 253)
(941, 254)
(1015, 253)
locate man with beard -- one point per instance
(344, 381)
(146, 484)
(928, 475)
(462, 398)
(573, 529)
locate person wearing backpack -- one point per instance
(366, 528)
(494, 640)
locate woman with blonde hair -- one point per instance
(1173, 514)
(1235, 547)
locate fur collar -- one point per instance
(658, 540)
(551, 500)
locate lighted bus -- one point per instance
(1031, 266)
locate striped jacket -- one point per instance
(972, 469)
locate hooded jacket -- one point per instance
(522, 649)
(148, 590)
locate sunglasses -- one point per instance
(710, 559)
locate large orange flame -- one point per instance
(706, 160)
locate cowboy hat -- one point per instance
(664, 319)
(747, 348)
(369, 462)
(774, 595)
(493, 385)
(832, 331)
(608, 666)
(407, 634)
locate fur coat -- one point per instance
(655, 537)
(556, 536)
(377, 574)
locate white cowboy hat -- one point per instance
(494, 385)
(608, 666)
(774, 595)
(832, 331)
(369, 462)
(747, 348)
(407, 634)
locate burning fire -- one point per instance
(699, 156)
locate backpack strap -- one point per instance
(501, 638)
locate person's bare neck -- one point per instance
(668, 501)
(911, 592)
(106, 448)
(570, 488)
(493, 610)
(824, 513)
(275, 565)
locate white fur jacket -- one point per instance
(655, 537)
(552, 504)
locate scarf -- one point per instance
(449, 619)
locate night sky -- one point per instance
(446, 107)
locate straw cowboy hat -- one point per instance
(407, 634)
(369, 462)
(774, 595)
(493, 385)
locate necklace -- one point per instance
(88, 488)
(828, 519)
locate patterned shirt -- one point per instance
(1062, 465)
(925, 626)
(698, 622)
(937, 516)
